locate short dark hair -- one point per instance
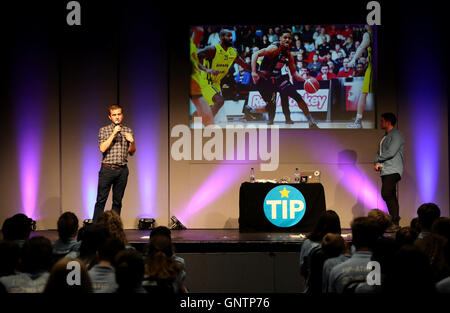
(428, 213)
(17, 227)
(114, 107)
(67, 225)
(37, 254)
(389, 117)
(365, 232)
(285, 31)
(160, 230)
(328, 222)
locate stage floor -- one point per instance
(216, 240)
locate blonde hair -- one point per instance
(112, 222)
(382, 219)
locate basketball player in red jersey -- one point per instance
(270, 78)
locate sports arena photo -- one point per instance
(331, 67)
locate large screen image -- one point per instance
(292, 76)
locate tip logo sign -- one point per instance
(284, 206)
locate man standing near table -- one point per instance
(116, 142)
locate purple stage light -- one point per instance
(91, 158)
(216, 184)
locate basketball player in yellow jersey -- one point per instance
(367, 84)
(197, 81)
(218, 59)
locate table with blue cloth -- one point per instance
(251, 207)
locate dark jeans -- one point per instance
(107, 177)
(389, 194)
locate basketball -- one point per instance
(311, 85)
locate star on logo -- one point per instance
(284, 193)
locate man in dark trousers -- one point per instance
(116, 142)
(389, 162)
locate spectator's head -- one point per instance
(159, 262)
(328, 222)
(93, 238)
(384, 251)
(324, 69)
(411, 272)
(357, 43)
(17, 227)
(337, 47)
(441, 226)
(129, 270)
(160, 231)
(381, 218)
(345, 63)
(434, 246)
(364, 233)
(330, 66)
(59, 274)
(37, 255)
(67, 226)
(315, 57)
(406, 236)
(333, 245)
(360, 70)
(298, 44)
(108, 251)
(112, 222)
(9, 257)
(226, 37)
(427, 214)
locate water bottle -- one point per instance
(252, 175)
(296, 176)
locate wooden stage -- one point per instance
(216, 240)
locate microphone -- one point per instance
(117, 124)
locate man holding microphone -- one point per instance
(116, 142)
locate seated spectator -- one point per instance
(360, 70)
(336, 51)
(309, 46)
(406, 236)
(331, 68)
(345, 277)
(92, 238)
(315, 66)
(346, 71)
(411, 273)
(130, 271)
(337, 251)
(36, 260)
(307, 34)
(242, 79)
(162, 272)
(67, 232)
(164, 231)
(427, 213)
(272, 36)
(103, 274)
(325, 74)
(61, 274)
(17, 228)
(332, 245)
(328, 222)
(9, 257)
(384, 251)
(112, 222)
(382, 219)
(434, 246)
